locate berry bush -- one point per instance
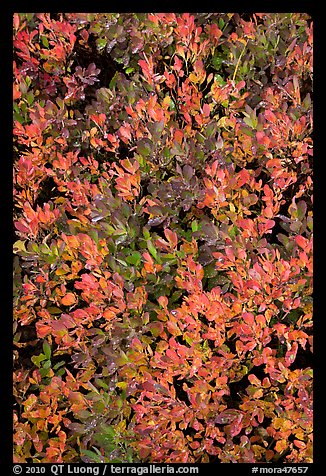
(163, 237)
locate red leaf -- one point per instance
(302, 242)
(248, 318)
(206, 110)
(171, 237)
(214, 32)
(270, 116)
(299, 444)
(236, 426)
(291, 354)
(16, 21)
(21, 227)
(263, 139)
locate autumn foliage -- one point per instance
(163, 251)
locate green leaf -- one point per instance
(113, 80)
(135, 258)
(122, 359)
(217, 62)
(129, 456)
(106, 438)
(302, 209)
(54, 310)
(101, 43)
(92, 456)
(18, 117)
(210, 271)
(221, 23)
(45, 41)
(59, 364)
(194, 225)
(146, 233)
(310, 223)
(156, 129)
(211, 129)
(101, 383)
(60, 372)
(45, 249)
(251, 121)
(152, 249)
(247, 131)
(169, 259)
(122, 262)
(94, 234)
(37, 359)
(166, 152)
(172, 105)
(144, 147)
(30, 97)
(44, 372)
(233, 232)
(109, 432)
(47, 350)
(47, 364)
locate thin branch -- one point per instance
(238, 62)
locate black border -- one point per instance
(6, 444)
(6, 354)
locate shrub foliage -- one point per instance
(163, 250)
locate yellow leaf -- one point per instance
(19, 246)
(193, 78)
(281, 445)
(166, 101)
(61, 271)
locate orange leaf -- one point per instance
(178, 136)
(301, 241)
(109, 315)
(299, 444)
(163, 301)
(69, 299)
